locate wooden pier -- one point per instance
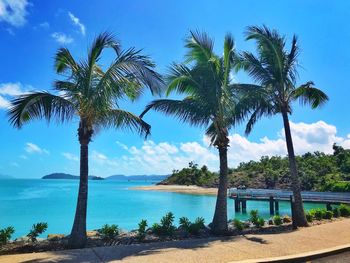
(241, 196)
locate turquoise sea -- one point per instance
(27, 201)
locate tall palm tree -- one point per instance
(274, 69)
(90, 94)
(204, 78)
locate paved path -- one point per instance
(206, 250)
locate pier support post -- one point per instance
(277, 207)
(272, 209)
(237, 205)
(244, 206)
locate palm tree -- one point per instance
(275, 72)
(90, 94)
(204, 78)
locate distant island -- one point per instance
(119, 177)
(69, 176)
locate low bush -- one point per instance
(185, 223)
(166, 226)
(238, 224)
(254, 216)
(327, 215)
(141, 231)
(109, 231)
(277, 220)
(336, 212)
(319, 213)
(37, 229)
(6, 234)
(309, 217)
(192, 228)
(255, 219)
(344, 210)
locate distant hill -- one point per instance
(122, 177)
(5, 177)
(68, 176)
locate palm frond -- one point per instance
(200, 47)
(308, 94)
(64, 61)
(40, 105)
(122, 119)
(189, 110)
(102, 41)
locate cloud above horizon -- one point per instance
(9, 90)
(33, 148)
(163, 157)
(14, 12)
(76, 21)
(62, 38)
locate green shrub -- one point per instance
(344, 210)
(277, 220)
(5, 234)
(192, 228)
(336, 212)
(261, 222)
(197, 226)
(185, 223)
(157, 229)
(286, 219)
(309, 217)
(254, 216)
(166, 226)
(319, 213)
(141, 231)
(328, 214)
(238, 224)
(37, 229)
(109, 231)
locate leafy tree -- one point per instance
(210, 102)
(275, 72)
(90, 94)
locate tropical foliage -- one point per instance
(89, 93)
(210, 102)
(275, 71)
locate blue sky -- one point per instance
(32, 31)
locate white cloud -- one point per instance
(13, 12)
(71, 156)
(24, 157)
(76, 21)
(62, 38)
(163, 157)
(44, 25)
(8, 90)
(4, 103)
(33, 148)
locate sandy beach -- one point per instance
(190, 189)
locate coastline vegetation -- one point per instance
(317, 172)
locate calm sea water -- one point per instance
(24, 202)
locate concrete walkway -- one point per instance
(206, 250)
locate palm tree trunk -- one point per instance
(299, 215)
(78, 234)
(219, 225)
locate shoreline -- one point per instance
(183, 189)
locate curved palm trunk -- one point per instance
(219, 225)
(299, 215)
(78, 234)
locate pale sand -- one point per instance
(217, 250)
(190, 189)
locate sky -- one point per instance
(32, 31)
